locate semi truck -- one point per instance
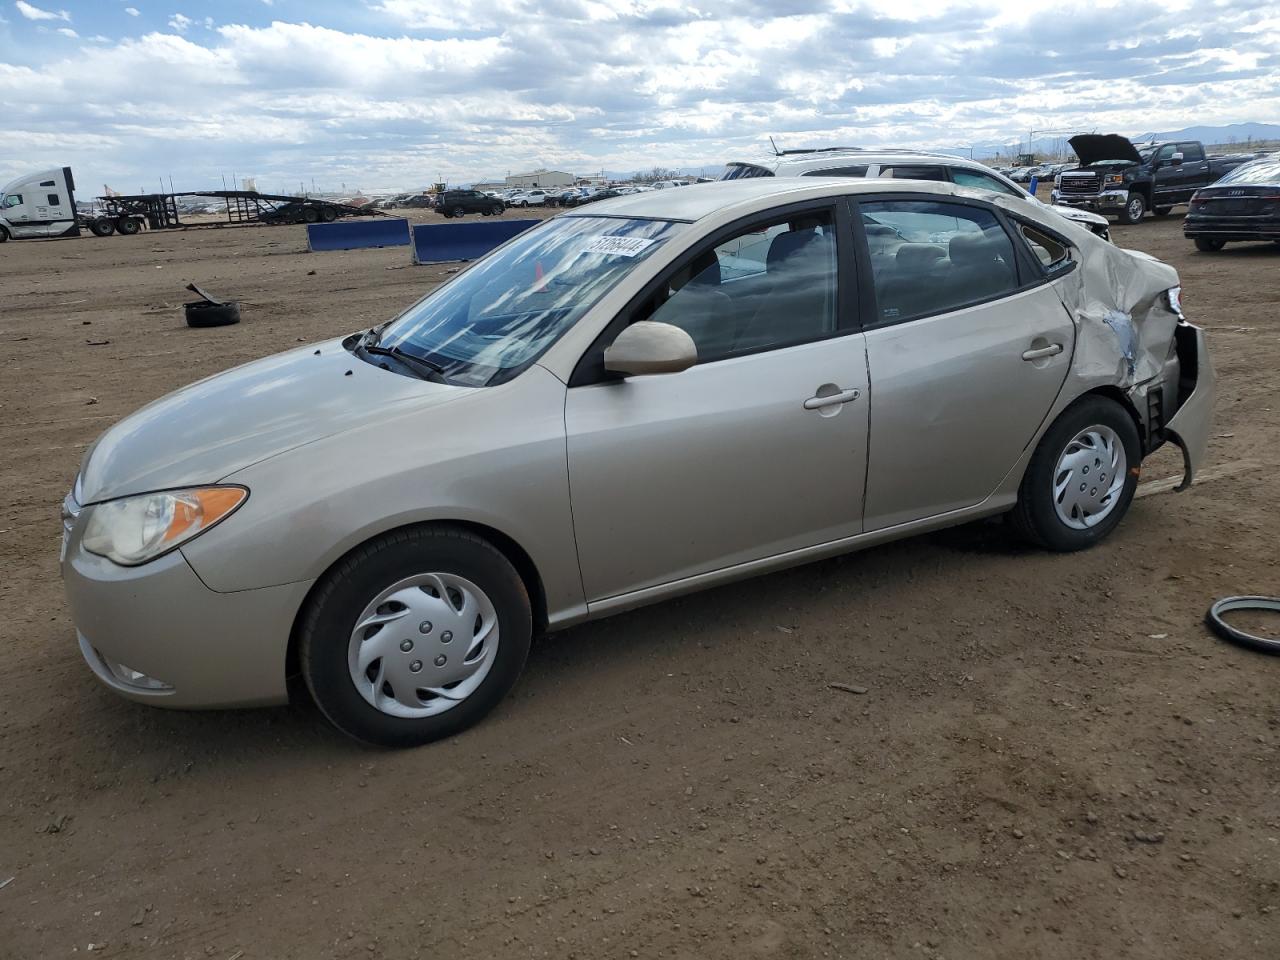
(43, 205)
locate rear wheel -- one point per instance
(4, 234)
(1209, 245)
(128, 226)
(328, 214)
(416, 636)
(102, 226)
(311, 215)
(1134, 208)
(1081, 479)
(1162, 211)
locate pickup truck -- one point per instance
(1116, 177)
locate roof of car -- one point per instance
(820, 159)
(700, 200)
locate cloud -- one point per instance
(479, 87)
(35, 13)
(132, 11)
(68, 32)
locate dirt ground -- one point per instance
(1053, 758)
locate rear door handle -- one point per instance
(844, 396)
(1052, 350)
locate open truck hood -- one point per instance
(1095, 147)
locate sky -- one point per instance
(378, 94)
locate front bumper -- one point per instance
(1190, 427)
(1108, 201)
(156, 634)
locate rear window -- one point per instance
(905, 171)
(742, 171)
(1260, 171)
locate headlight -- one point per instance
(1175, 300)
(1115, 178)
(135, 530)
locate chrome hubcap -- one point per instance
(1135, 209)
(423, 645)
(1089, 478)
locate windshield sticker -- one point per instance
(618, 246)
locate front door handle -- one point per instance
(844, 396)
(1052, 350)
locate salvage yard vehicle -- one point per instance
(528, 198)
(1119, 178)
(455, 203)
(1244, 205)
(899, 165)
(654, 395)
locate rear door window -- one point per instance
(859, 170)
(930, 257)
(1054, 255)
(1191, 151)
(913, 171)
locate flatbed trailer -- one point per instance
(44, 205)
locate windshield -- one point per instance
(495, 319)
(1260, 171)
(741, 171)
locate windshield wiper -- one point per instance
(425, 368)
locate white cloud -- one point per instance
(35, 13)
(132, 11)
(622, 84)
(68, 32)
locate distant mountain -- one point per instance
(1231, 133)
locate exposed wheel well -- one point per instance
(1122, 398)
(514, 553)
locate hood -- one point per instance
(217, 426)
(1094, 147)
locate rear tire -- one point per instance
(128, 226)
(1209, 245)
(1134, 209)
(328, 214)
(1091, 456)
(387, 585)
(311, 215)
(4, 234)
(102, 227)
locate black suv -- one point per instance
(454, 203)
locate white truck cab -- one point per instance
(39, 205)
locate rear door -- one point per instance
(968, 345)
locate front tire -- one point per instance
(1134, 209)
(1081, 478)
(4, 234)
(1209, 245)
(415, 636)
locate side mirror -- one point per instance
(648, 347)
(1176, 160)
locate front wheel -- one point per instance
(1209, 245)
(1134, 208)
(1081, 478)
(4, 234)
(416, 636)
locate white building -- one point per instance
(544, 179)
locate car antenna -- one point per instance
(776, 151)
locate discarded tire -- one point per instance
(201, 313)
(1236, 635)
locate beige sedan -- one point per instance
(646, 397)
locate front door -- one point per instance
(757, 450)
(966, 357)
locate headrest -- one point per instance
(705, 271)
(919, 256)
(971, 250)
(786, 244)
(880, 230)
